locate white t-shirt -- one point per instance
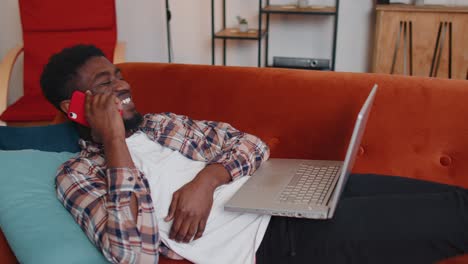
(228, 237)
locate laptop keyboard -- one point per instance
(309, 185)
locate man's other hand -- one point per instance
(191, 204)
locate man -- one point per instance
(102, 188)
(156, 184)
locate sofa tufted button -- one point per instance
(361, 151)
(445, 160)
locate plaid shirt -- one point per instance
(99, 197)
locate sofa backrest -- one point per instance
(417, 127)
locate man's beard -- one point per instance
(133, 123)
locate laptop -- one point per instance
(301, 188)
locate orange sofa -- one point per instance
(417, 127)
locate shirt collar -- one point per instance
(93, 147)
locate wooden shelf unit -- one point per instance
(234, 33)
(292, 9)
(227, 33)
(422, 8)
(295, 10)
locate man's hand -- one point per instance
(103, 117)
(191, 204)
(190, 208)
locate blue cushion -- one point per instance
(62, 137)
(38, 228)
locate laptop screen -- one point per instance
(353, 147)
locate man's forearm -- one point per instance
(118, 156)
(213, 175)
(135, 231)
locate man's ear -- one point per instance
(64, 106)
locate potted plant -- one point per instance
(243, 24)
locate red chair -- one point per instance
(48, 27)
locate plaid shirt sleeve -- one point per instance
(240, 153)
(213, 142)
(99, 201)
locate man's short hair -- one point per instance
(57, 79)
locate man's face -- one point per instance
(99, 75)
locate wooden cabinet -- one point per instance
(421, 41)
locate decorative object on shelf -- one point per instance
(302, 3)
(301, 63)
(243, 24)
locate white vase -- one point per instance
(243, 27)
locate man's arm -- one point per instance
(229, 153)
(121, 221)
(239, 152)
(100, 204)
(118, 156)
(107, 127)
(212, 142)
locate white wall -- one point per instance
(141, 24)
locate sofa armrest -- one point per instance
(6, 67)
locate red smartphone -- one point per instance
(76, 110)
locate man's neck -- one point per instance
(85, 132)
